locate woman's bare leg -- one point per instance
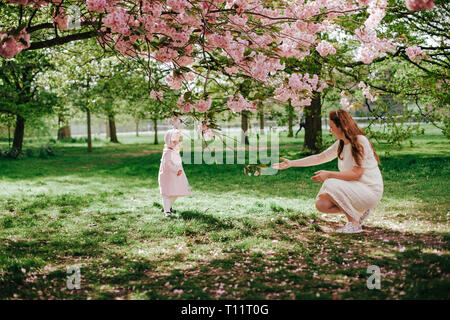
(326, 204)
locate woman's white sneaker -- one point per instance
(349, 228)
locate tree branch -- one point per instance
(61, 40)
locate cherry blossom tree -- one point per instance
(207, 40)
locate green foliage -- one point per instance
(19, 92)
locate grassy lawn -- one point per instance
(236, 237)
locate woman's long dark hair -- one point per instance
(344, 121)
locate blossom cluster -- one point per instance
(345, 100)
(10, 45)
(157, 95)
(419, 4)
(325, 48)
(239, 103)
(366, 92)
(298, 88)
(205, 131)
(415, 53)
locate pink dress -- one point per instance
(170, 184)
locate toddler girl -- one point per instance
(172, 179)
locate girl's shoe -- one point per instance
(349, 228)
(168, 214)
(364, 217)
(173, 211)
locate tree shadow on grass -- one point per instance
(210, 220)
(22, 259)
(302, 263)
(332, 266)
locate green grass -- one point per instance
(236, 237)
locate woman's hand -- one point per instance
(283, 165)
(321, 175)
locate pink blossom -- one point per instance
(96, 5)
(61, 20)
(240, 104)
(179, 5)
(22, 2)
(366, 92)
(259, 68)
(324, 48)
(365, 35)
(184, 105)
(184, 61)
(206, 132)
(118, 20)
(323, 85)
(184, 18)
(232, 70)
(157, 95)
(305, 102)
(345, 101)
(190, 76)
(313, 81)
(297, 83)
(174, 82)
(375, 18)
(420, 4)
(165, 54)
(237, 20)
(203, 105)
(283, 93)
(414, 53)
(366, 54)
(10, 46)
(296, 102)
(177, 124)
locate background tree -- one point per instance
(20, 96)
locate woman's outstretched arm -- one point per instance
(326, 156)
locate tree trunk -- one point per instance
(18, 134)
(137, 126)
(89, 133)
(112, 129)
(108, 130)
(290, 111)
(244, 127)
(313, 125)
(155, 127)
(63, 131)
(261, 119)
(9, 136)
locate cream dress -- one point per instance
(354, 197)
